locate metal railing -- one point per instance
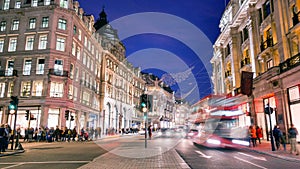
(290, 63)
(8, 73)
(56, 72)
(266, 44)
(245, 61)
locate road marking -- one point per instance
(257, 158)
(13, 166)
(250, 162)
(202, 154)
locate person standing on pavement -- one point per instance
(2, 138)
(276, 135)
(293, 132)
(253, 135)
(150, 131)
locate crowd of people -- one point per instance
(256, 134)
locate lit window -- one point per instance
(73, 48)
(63, 4)
(32, 22)
(43, 42)
(18, 4)
(85, 41)
(6, 4)
(37, 88)
(12, 44)
(47, 2)
(2, 89)
(71, 71)
(34, 2)
(70, 92)
(60, 44)
(45, 22)
(58, 67)
(27, 67)
(15, 25)
(3, 26)
(10, 68)
(270, 64)
(10, 89)
(74, 29)
(78, 53)
(40, 66)
(62, 24)
(79, 34)
(29, 43)
(25, 88)
(56, 89)
(1, 45)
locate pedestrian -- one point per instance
(253, 135)
(2, 138)
(293, 132)
(259, 134)
(276, 135)
(150, 131)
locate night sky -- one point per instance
(170, 38)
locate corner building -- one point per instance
(260, 36)
(50, 57)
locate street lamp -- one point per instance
(269, 111)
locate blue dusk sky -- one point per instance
(170, 38)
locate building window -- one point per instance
(2, 89)
(15, 25)
(62, 24)
(85, 41)
(270, 64)
(10, 68)
(71, 71)
(74, 29)
(45, 22)
(78, 53)
(58, 67)
(32, 22)
(34, 3)
(70, 92)
(10, 89)
(60, 44)
(56, 89)
(12, 44)
(73, 48)
(79, 34)
(37, 88)
(25, 88)
(1, 45)
(18, 4)
(75, 93)
(43, 42)
(84, 58)
(3, 26)
(63, 4)
(76, 74)
(27, 67)
(29, 43)
(40, 66)
(47, 2)
(6, 4)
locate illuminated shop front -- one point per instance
(294, 106)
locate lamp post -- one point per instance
(269, 111)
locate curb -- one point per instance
(12, 153)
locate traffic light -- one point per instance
(72, 118)
(27, 114)
(32, 117)
(143, 102)
(13, 104)
(67, 112)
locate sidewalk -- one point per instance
(21, 149)
(265, 148)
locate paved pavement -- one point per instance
(166, 159)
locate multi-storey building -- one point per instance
(121, 83)
(260, 36)
(50, 57)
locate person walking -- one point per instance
(253, 135)
(276, 135)
(150, 131)
(293, 132)
(259, 134)
(2, 138)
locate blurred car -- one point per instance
(142, 131)
(165, 132)
(192, 133)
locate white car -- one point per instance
(142, 132)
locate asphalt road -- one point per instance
(202, 157)
(54, 156)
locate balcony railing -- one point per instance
(290, 63)
(266, 44)
(296, 18)
(56, 72)
(245, 62)
(8, 73)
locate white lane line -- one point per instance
(202, 154)
(13, 166)
(250, 162)
(257, 158)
